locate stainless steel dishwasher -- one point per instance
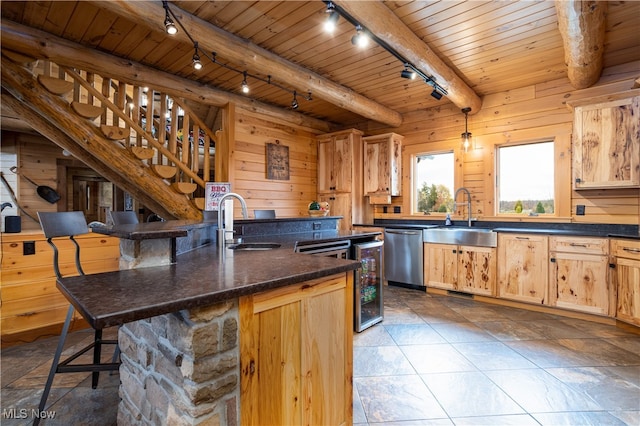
(403, 259)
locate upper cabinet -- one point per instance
(606, 141)
(383, 166)
(335, 158)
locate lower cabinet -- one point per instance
(467, 269)
(523, 267)
(296, 354)
(626, 279)
(578, 274)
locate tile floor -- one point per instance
(434, 360)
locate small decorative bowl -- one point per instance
(318, 213)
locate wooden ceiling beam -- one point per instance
(582, 27)
(40, 44)
(382, 22)
(254, 58)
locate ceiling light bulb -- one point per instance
(294, 103)
(407, 73)
(197, 65)
(466, 136)
(245, 86)
(332, 18)
(169, 25)
(360, 39)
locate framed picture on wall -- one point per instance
(277, 161)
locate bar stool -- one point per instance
(124, 217)
(69, 225)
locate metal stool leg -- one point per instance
(96, 358)
(54, 363)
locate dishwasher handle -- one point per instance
(402, 232)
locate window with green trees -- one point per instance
(433, 182)
(525, 181)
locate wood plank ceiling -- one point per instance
(492, 46)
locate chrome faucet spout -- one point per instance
(229, 226)
(455, 203)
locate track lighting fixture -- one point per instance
(169, 25)
(332, 18)
(197, 65)
(171, 19)
(407, 73)
(466, 136)
(437, 95)
(245, 86)
(361, 39)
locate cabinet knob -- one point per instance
(578, 180)
(552, 260)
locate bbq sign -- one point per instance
(213, 192)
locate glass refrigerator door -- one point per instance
(368, 285)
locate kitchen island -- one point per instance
(228, 336)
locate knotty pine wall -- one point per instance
(289, 198)
(534, 112)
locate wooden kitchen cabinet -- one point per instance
(335, 158)
(606, 142)
(296, 354)
(340, 177)
(523, 267)
(626, 279)
(383, 166)
(466, 269)
(578, 274)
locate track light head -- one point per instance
(436, 94)
(407, 73)
(332, 18)
(245, 86)
(169, 25)
(294, 103)
(361, 39)
(197, 64)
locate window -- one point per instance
(433, 182)
(526, 179)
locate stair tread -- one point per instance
(143, 153)
(114, 132)
(164, 171)
(184, 187)
(86, 110)
(54, 85)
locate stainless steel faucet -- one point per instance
(223, 228)
(455, 203)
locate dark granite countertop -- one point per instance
(201, 277)
(151, 230)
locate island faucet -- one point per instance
(223, 228)
(455, 203)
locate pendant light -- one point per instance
(466, 136)
(169, 25)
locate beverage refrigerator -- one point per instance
(368, 304)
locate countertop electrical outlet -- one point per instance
(28, 248)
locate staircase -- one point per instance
(146, 142)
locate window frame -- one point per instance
(496, 168)
(414, 183)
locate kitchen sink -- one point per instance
(479, 237)
(253, 246)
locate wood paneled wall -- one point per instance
(36, 158)
(534, 112)
(289, 198)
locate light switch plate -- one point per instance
(580, 210)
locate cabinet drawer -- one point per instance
(584, 245)
(628, 249)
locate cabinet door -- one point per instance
(339, 205)
(382, 165)
(523, 267)
(326, 177)
(606, 144)
(626, 278)
(441, 263)
(296, 354)
(579, 282)
(477, 270)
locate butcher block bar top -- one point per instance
(201, 277)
